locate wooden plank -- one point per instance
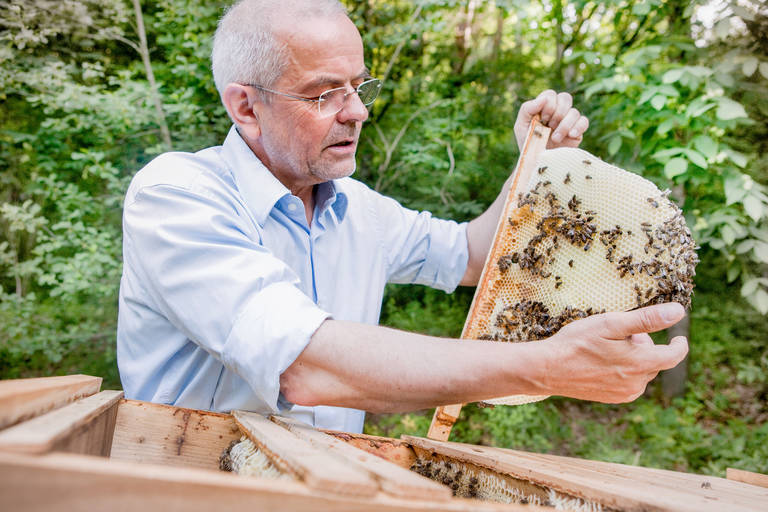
(636, 489)
(22, 399)
(72, 483)
(535, 142)
(395, 451)
(315, 467)
(168, 435)
(85, 426)
(748, 477)
(663, 478)
(392, 479)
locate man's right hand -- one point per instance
(609, 357)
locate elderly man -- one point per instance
(254, 271)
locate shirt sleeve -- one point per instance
(209, 275)
(420, 248)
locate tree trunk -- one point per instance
(673, 380)
(144, 52)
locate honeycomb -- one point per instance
(244, 458)
(584, 237)
(472, 481)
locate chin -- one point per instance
(335, 172)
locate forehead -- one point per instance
(324, 46)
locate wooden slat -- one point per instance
(316, 468)
(535, 142)
(393, 450)
(21, 399)
(628, 488)
(748, 477)
(392, 479)
(163, 434)
(85, 426)
(73, 483)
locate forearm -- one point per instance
(384, 370)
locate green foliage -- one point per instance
(669, 94)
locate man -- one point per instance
(254, 271)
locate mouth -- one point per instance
(343, 146)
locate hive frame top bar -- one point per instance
(535, 143)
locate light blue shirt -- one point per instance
(224, 282)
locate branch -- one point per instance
(400, 45)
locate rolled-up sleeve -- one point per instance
(207, 272)
(420, 248)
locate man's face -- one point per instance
(301, 147)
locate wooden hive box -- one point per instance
(66, 446)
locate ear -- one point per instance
(240, 100)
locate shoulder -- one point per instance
(202, 172)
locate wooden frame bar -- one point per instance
(21, 399)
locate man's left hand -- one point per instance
(567, 123)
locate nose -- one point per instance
(352, 109)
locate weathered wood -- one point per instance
(393, 450)
(22, 399)
(72, 483)
(85, 426)
(618, 486)
(163, 434)
(747, 477)
(392, 479)
(316, 468)
(535, 142)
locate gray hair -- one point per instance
(245, 47)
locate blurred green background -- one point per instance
(675, 90)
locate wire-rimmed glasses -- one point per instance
(332, 101)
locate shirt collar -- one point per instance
(259, 187)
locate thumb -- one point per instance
(648, 319)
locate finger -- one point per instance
(669, 356)
(578, 129)
(641, 339)
(563, 103)
(549, 97)
(648, 319)
(566, 125)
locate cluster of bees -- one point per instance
(668, 259)
(531, 320)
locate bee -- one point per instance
(586, 162)
(570, 263)
(653, 202)
(537, 133)
(588, 177)
(567, 179)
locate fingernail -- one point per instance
(670, 311)
(557, 137)
(573, 134)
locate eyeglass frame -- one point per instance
(318, 99)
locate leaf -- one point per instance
(665, 153)
(666, 126)
(738, 158)
(763, 67)
(696, 158)
(761, 252)
(658, 101)
(733, 273)
(673, 75)
(745, 246)
(697, 108)
(675, 167)
(614, 145)
(723, 28)
(749, 287)
(749, 66)
(647, 94)
(754, 207)
(706, 145)
(728, 234)
(729, 109)
(760, 301)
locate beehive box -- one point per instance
(67, 446)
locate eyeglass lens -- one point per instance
(332, 101)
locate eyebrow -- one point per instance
(330, 79)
